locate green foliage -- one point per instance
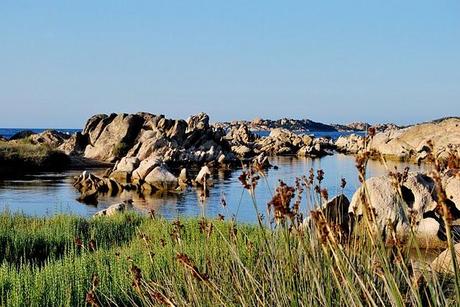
(21, 156)
(135, 260)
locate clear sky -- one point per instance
(330, 61)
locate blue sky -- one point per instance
(330, 61)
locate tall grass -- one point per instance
(130, 259)
(134, 260)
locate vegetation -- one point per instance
(21, 156)
(129, 259)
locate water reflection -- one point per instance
(53, 193)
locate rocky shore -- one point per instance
(441, 137)
(302, 125)
(150, 153)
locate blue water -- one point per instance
(53, 193)
(9, 132)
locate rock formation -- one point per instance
(399, 208)
(409, 144)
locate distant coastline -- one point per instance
(9, 132)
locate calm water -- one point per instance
(52, 193)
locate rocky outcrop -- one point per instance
(148, 180)
(51, 138)
(398, 208)
(413, 143)
(350, 144)
(112, 137)
(284, 142)
(361, 126)
(295, 125)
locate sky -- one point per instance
(329, 61)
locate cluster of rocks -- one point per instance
(361, 126)
(51, 138)
(278, 143)
(149, 176)
(399, 209)
(303, 125)
(284, 142)
(143, 135)
(409, 144)
(297, 125)
(413, 204)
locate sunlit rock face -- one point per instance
(399, 208)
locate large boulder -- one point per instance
(162, 179)
(410, 143)
(145, 167)
(115, 139)
(400, 208)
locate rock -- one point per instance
(113, 209)
(21, 135)
(351, 144)
(203, 175)
(121, 176)
(51, 138)
(89, 197)
(183, 177)
(198, 122)
(162, 179)
(115, 139)
(443, 263)
(284, 142)
(242, 151)
(221, 159)
(75, 144)
(408, 143)
(307, 140)
(414, 204)
(127, 164)
(336, 211)
(241, 135)
(145, 167)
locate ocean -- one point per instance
(9, 132)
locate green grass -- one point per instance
(43, 264)
(21, 156)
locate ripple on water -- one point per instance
(51, 193)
